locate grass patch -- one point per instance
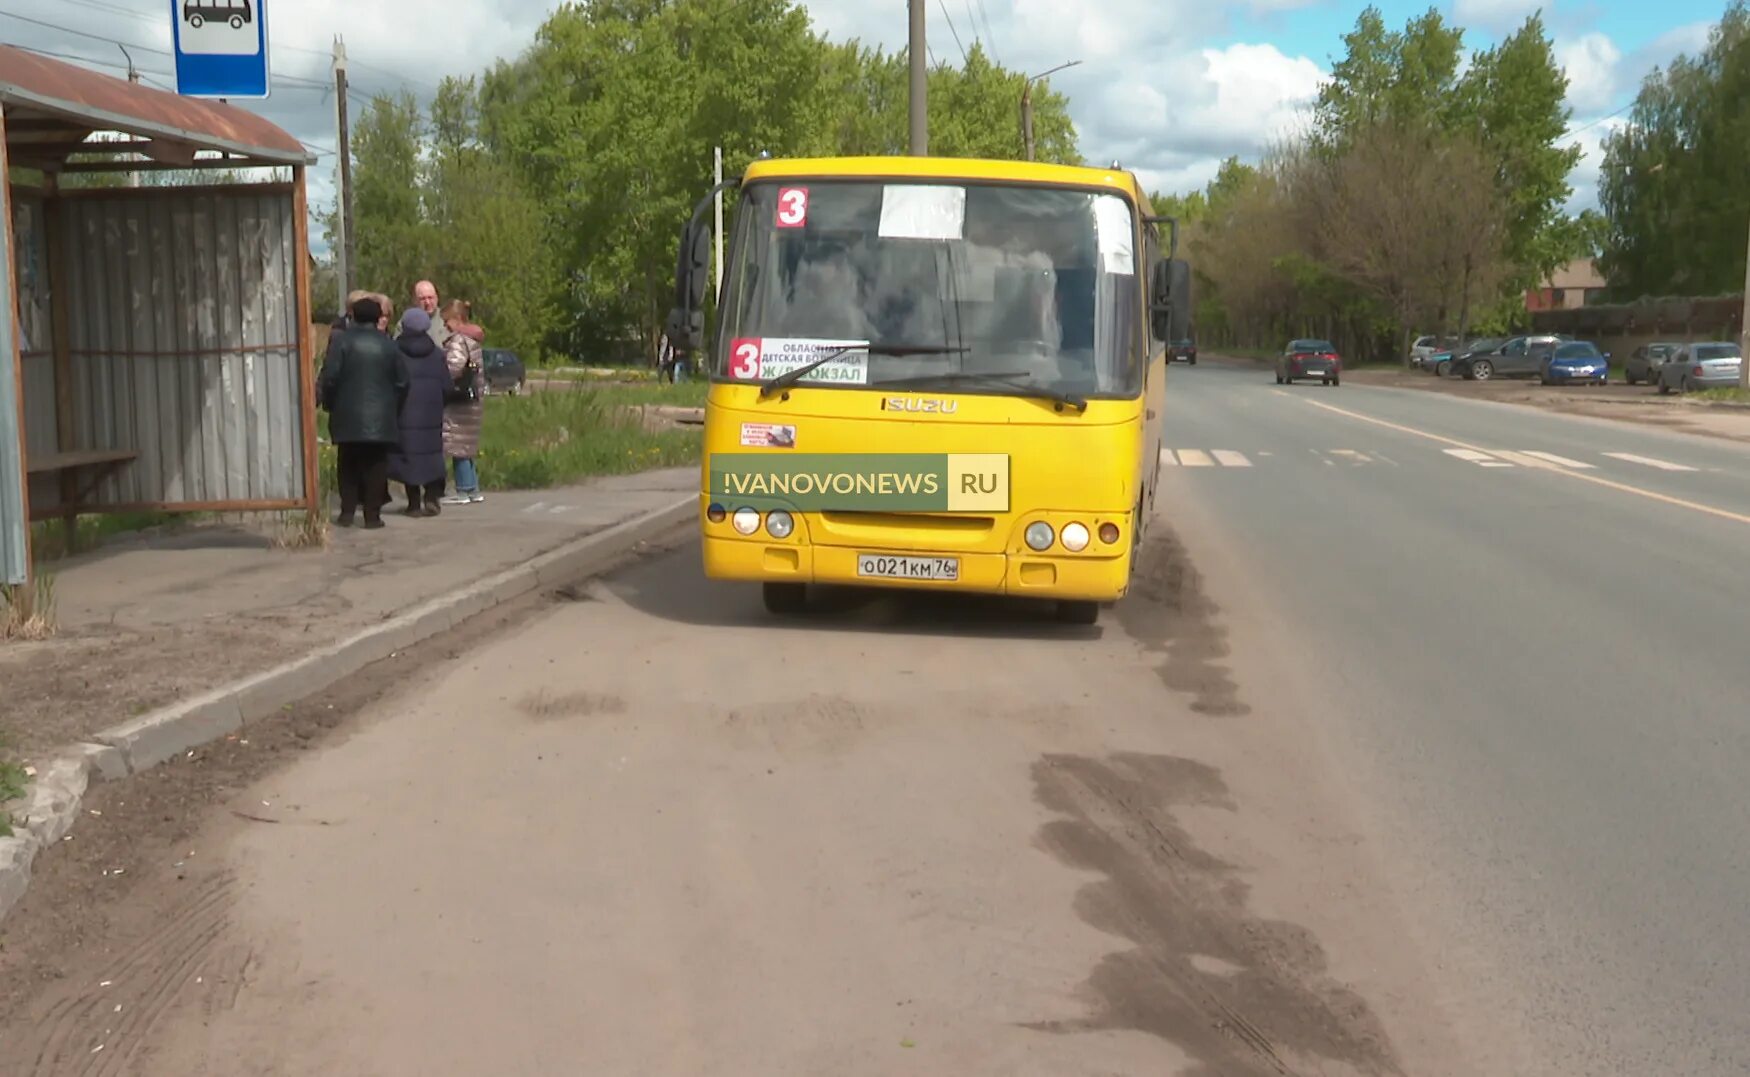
(553, 438)
(1727, 396)
(686, 394)
(27, 611)
(13, 779)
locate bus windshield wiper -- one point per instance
(791, 377)
(999, 377)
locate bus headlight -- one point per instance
(1075, 538)
(780, 524)
(1039, 535)
(746, 521)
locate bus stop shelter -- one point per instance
(155, 340)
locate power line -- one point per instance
(1600, 120)
(81, 33)
(990, 33)
(944, 6)
(291, 80)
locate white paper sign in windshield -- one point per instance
(756, 359)
(916, 211)
(1112, 223)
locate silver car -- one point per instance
(1644, 364)
(1712, 365)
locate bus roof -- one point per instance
(946, 168)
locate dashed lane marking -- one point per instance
(1648, 461)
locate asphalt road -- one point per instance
(1418, 749)
(1526, 634)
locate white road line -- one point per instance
(1354, 456)
(1229, 458)
(1472, 456)
(1194, 458)
(1662, 465)
(1559, 461)
(1168, 458)
(557, 509)
(536, 507)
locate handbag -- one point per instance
(462, 390)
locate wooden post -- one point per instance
(61, 329)
(11, 310)
(306, 353)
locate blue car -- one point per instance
(1575, 362)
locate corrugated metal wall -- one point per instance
(31, 250)
(183, 332)
(14, 528)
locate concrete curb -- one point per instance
(51, 804)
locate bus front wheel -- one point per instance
(1076, 612)
(785, 597)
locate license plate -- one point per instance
(894, 567)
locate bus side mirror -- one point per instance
(686, 321)
(1170, 299)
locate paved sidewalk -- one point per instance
(154, 618)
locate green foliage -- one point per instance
(1268, 260)
(551, 190)
(1672, 185)
(559, 436)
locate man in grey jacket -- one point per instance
(425, 297)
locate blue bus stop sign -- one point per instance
(221, 47)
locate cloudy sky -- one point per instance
(1167, 87)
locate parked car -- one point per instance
(1309, 359)
(1183, 349)
(1515, 357)
(1573, 361)
(1711, 365)
(504, 371)
(1644, 364)
(1427, 350)
(1476, 346)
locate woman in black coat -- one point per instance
(362, 385)
(418, 461)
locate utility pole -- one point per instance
(1027, 106)
(920, 124)
(717, 180)
(343, 197)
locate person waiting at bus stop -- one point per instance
(362, 386)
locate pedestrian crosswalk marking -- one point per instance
(1559, 461)
(1194, 458)
(1472, 456)
(1662, 465)
(1229, 458)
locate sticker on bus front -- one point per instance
(752, 359)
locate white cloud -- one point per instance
(1495, 16)
(1593, 64)
(1147, 92)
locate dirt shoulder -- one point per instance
(157, 616)
(1623, 403)
(136, 891)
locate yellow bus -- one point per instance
(932, 373)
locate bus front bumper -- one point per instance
(1067, 576)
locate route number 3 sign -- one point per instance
(792, 207)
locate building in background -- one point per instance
(1576, 284)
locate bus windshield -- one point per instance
(992, 288)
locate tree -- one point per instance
(1672, 181)
(1409, 214)
(391, 239)
(1515, 95)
